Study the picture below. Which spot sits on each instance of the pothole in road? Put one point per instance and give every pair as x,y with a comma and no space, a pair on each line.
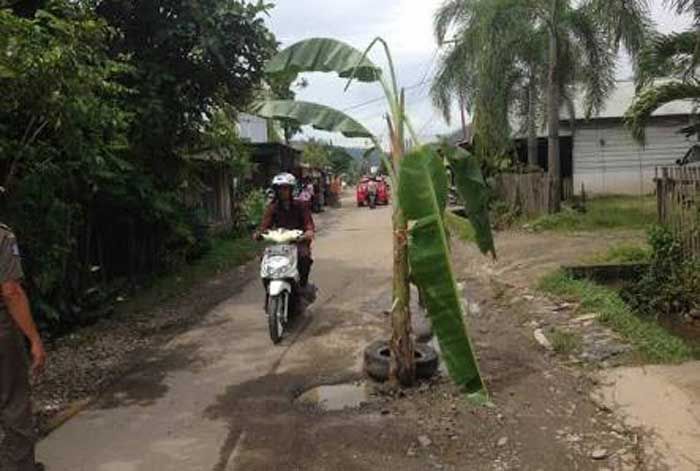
336,397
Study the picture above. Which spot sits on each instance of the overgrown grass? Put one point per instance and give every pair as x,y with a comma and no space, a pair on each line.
226,252
654,343
623,253
609,212
565,342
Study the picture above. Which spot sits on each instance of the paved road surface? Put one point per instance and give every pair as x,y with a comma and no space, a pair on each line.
184,409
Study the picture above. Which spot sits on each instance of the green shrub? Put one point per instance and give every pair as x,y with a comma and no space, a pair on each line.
671,286
253,208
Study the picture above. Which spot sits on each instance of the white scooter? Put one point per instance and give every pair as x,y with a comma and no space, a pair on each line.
280,275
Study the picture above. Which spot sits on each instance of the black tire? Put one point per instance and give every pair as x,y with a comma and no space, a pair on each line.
274,307
377,358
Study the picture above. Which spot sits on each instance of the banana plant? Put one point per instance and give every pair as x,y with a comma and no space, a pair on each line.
421,251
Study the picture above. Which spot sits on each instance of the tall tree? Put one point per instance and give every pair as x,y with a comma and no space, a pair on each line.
593,31
188,56
481,67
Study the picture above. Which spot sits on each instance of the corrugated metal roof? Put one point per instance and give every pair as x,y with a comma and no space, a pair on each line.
615,108
620,100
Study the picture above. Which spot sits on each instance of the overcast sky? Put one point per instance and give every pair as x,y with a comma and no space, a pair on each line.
407,27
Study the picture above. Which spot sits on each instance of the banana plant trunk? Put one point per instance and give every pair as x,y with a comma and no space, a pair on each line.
554,106
402,370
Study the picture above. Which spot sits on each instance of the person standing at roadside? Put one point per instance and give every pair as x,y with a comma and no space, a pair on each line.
16,323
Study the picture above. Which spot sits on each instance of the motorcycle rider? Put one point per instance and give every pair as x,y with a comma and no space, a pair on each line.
286,213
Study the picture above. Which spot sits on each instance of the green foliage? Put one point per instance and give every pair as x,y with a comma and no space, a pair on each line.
281,88
253,207
671,286
220,137
319,116
673,56
324,55
651,340
610,212
423,198
92,129
188,56
652,98
340,161
474,194
316,154
459,227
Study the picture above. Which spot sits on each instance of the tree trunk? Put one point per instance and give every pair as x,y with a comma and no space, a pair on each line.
402,370
532,144
553,111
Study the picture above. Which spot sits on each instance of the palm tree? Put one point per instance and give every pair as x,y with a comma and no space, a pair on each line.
488,67
588,35
673,57
578,43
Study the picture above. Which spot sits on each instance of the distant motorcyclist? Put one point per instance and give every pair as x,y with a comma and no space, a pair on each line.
286,213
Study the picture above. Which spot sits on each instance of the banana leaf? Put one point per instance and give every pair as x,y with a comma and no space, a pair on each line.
319,116
422,195
324,55
459,227
473,192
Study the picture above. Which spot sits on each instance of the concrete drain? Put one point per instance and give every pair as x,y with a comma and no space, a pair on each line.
336,397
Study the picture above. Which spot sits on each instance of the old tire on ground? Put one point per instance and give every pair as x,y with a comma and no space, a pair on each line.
377,358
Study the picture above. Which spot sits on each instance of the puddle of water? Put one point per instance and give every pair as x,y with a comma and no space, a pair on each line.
336,397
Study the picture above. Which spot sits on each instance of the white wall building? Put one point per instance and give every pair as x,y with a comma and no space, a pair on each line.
606,159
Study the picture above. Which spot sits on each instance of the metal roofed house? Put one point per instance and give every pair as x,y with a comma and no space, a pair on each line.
602,155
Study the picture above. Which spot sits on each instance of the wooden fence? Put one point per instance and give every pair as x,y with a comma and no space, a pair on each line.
678,204
530,192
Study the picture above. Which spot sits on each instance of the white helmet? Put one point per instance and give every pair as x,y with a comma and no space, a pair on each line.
284,179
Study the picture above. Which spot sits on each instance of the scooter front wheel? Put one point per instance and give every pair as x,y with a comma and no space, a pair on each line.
275,316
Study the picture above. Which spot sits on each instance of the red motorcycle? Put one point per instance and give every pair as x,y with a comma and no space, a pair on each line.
372,192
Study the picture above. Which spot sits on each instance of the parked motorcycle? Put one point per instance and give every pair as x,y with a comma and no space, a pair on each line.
280,275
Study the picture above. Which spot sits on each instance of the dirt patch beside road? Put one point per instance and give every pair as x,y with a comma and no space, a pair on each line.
524,257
